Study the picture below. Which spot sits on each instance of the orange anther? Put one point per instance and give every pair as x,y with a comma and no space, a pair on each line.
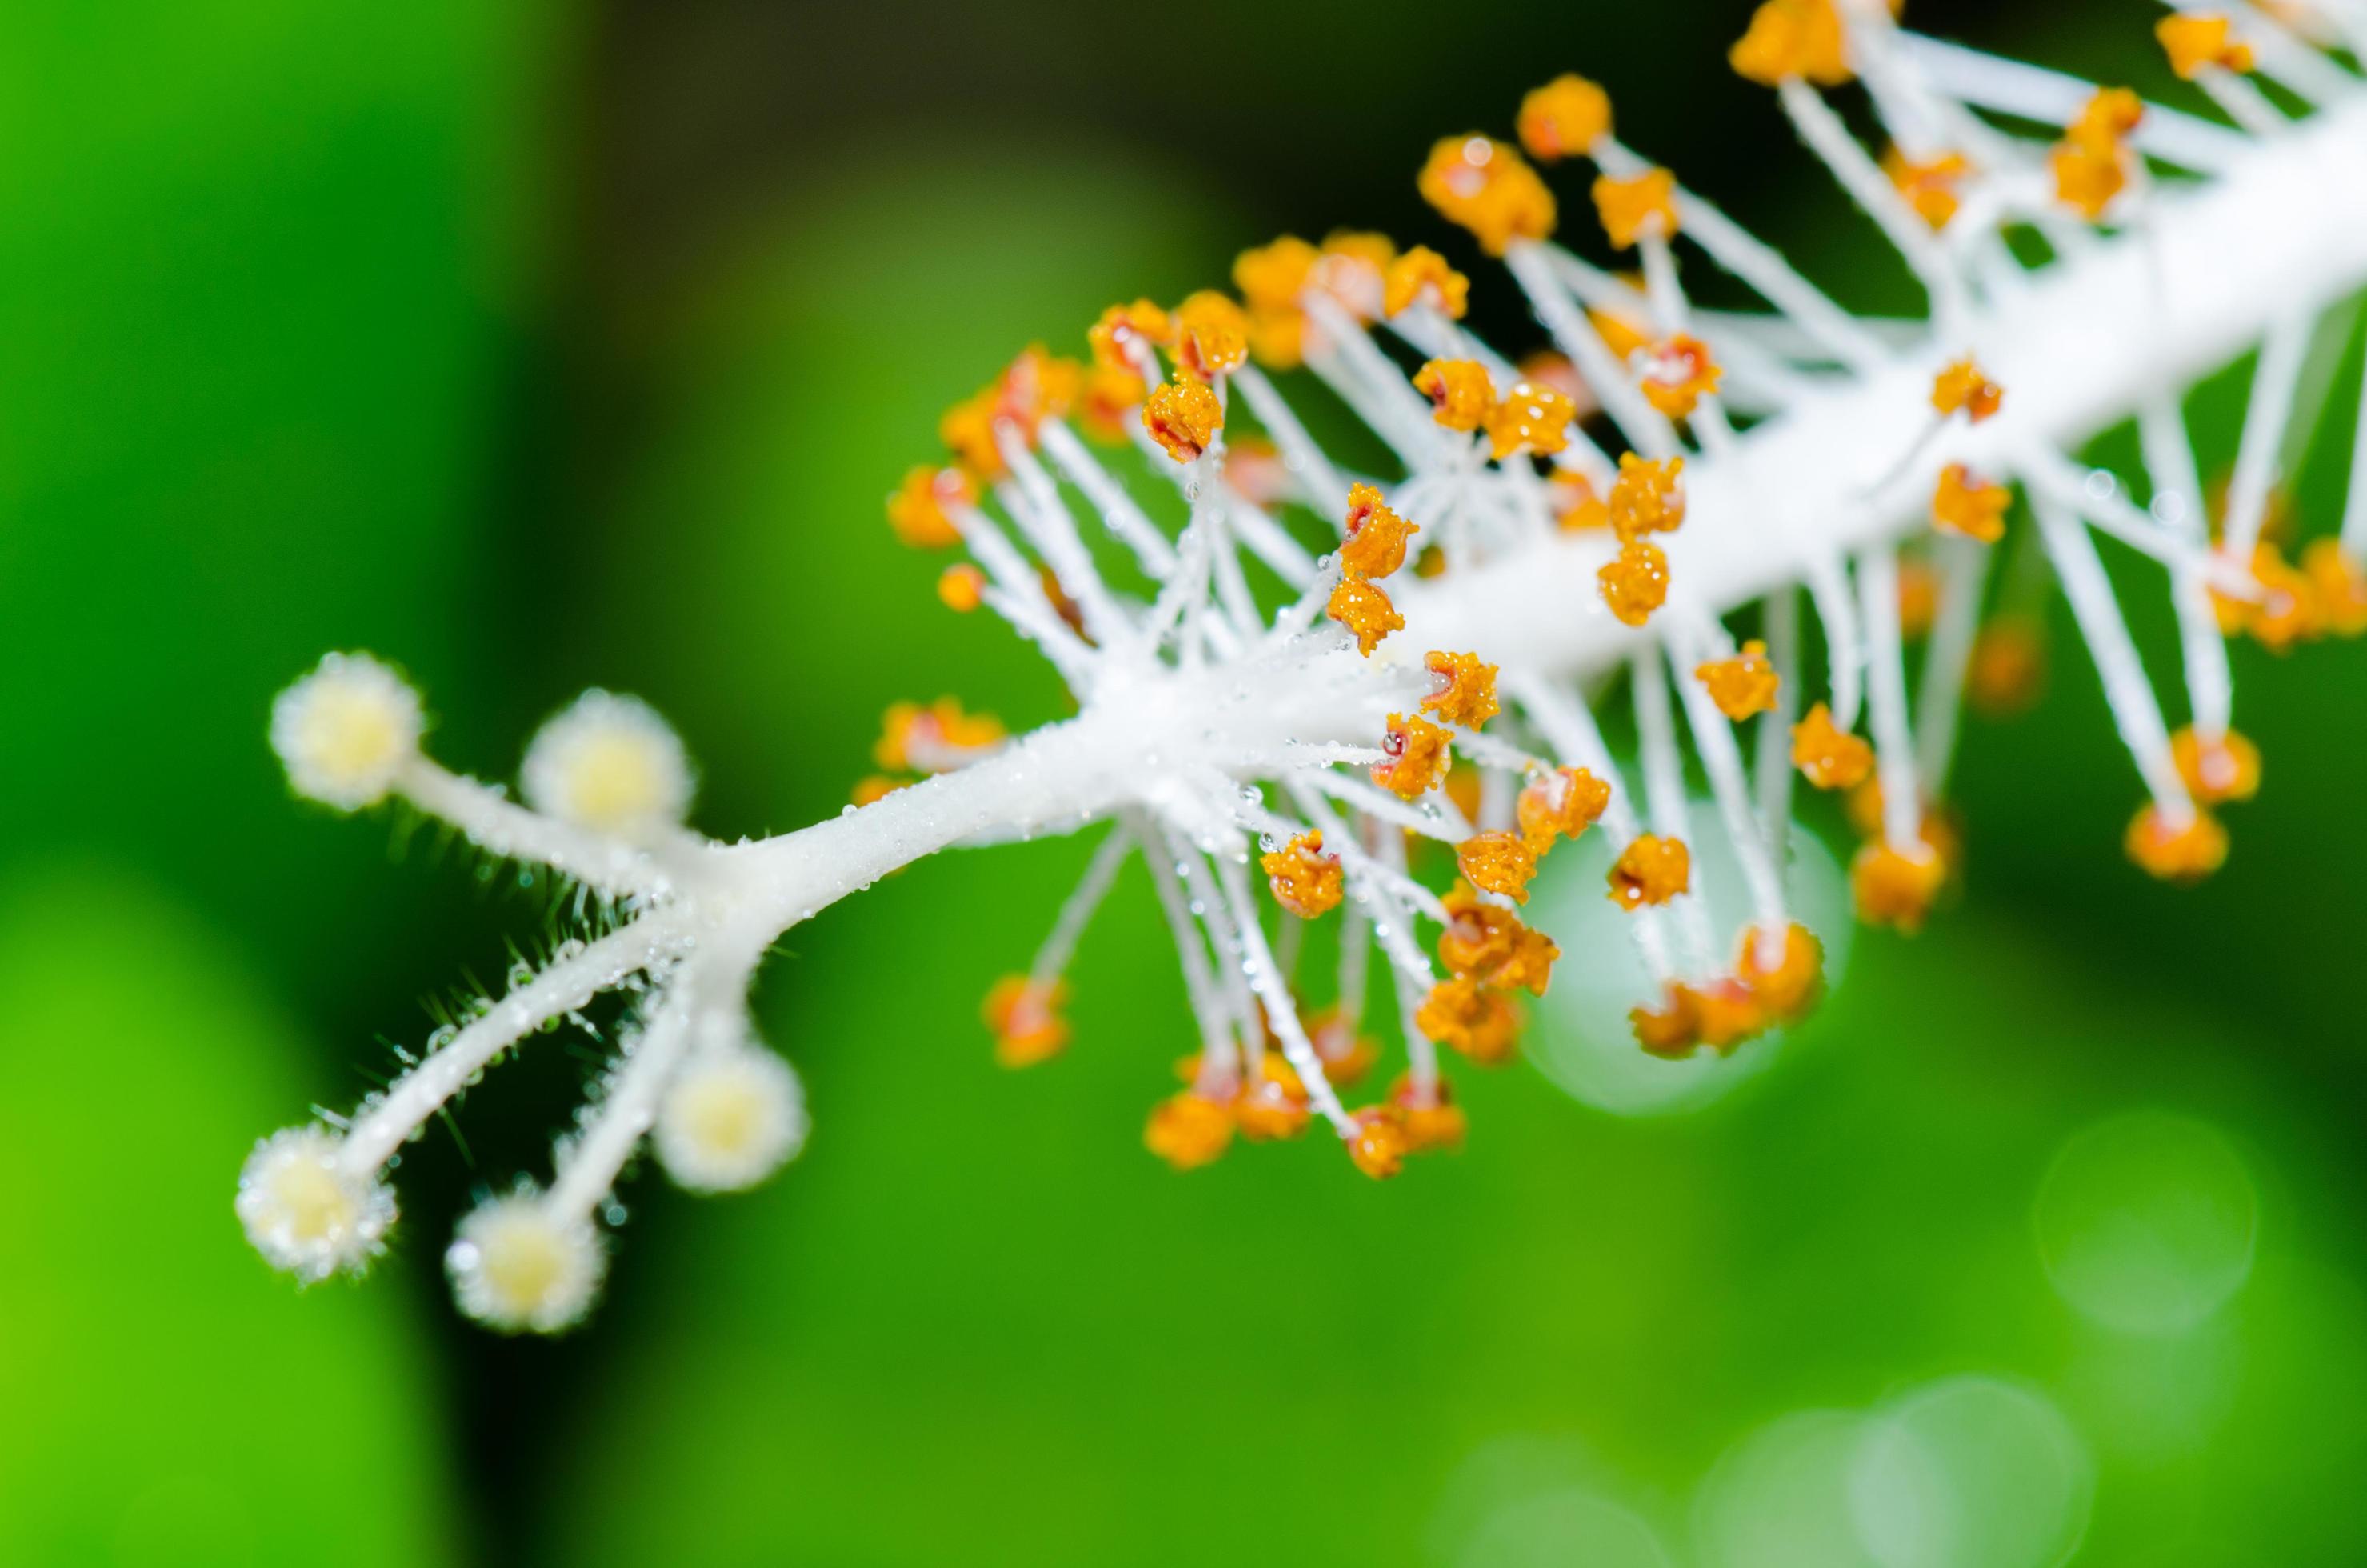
1346,1055
1124,328
1487,188
1635,582
1379,1144
1743,684
1429,1120
1366,609
1793,40
1464,689
1827,755
1579,507
1108,398
1931,187
1672,1029
1648,497
1564,119
1488,943
1466,1017
1273,278
1026,1020
1373,537
917,510
2197,41
1651,869
1304,880
1418,757
1560,804
1183,417
935,738
2285,610
1498,863
2093,163
1678,373
2177,851
1967,504
1188,1129
1212,336
1962,389
1273,1105
1459,390
2216,770
1530,417
1918,597
2008,667
1636,209
2339,584
1729,1013
1421,276
1895,887
875,787
961,588
1789,982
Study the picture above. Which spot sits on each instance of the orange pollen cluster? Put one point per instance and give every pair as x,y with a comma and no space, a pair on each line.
2177,851
1564,119
2093,163
1931,187
2327,595
1379,1145
1828,756
1025,1017
1577,507
1486,186
961,588
1428,1122
1648,497
932,739
1743,684
1418,755
1488,943
1962,389
1183,417
1499,863
1965,502
2340,586
1364,608
2008,667
1634,582
1304,880
1641,208
1895,887
1651,869
1459,390
1212,336
917,510
1678,374
2216,770
1464,692
1793,40
1560,804
2201,42
1466,1016
1737,1007
1919,599
1421,276
1122,329
1189,1130
1373,545
1037,386
1530,417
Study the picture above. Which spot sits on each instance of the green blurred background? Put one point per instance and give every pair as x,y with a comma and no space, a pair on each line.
538,346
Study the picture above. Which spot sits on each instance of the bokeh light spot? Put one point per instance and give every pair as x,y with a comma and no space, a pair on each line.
2145,1222
1779,1497
1971,1473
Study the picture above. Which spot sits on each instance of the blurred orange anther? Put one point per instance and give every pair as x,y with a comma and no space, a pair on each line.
1463,690
1743,684
1429,1119
1212,336
2198,41
1678,373
875,787
1564,119
1560,804
1418,757
1672,1029
1109,396
1459,390
1918,597
2340,585
933,739
1642,208
1364,608
2093,163
961,588
1827,755
1188,1129
1962,389
1304,880
1379,1144
1026,1020
1346,1055
1787,982
1468,1017
1489,188
1122,329
1421,276
2218,770
2008,667
1274,277
2177,851
1967,504
1488,943
1651,869
1895,886
1930,187
1273,1105
1727,1013
1793,40
2285,609
1373,539
917,510
1578,505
